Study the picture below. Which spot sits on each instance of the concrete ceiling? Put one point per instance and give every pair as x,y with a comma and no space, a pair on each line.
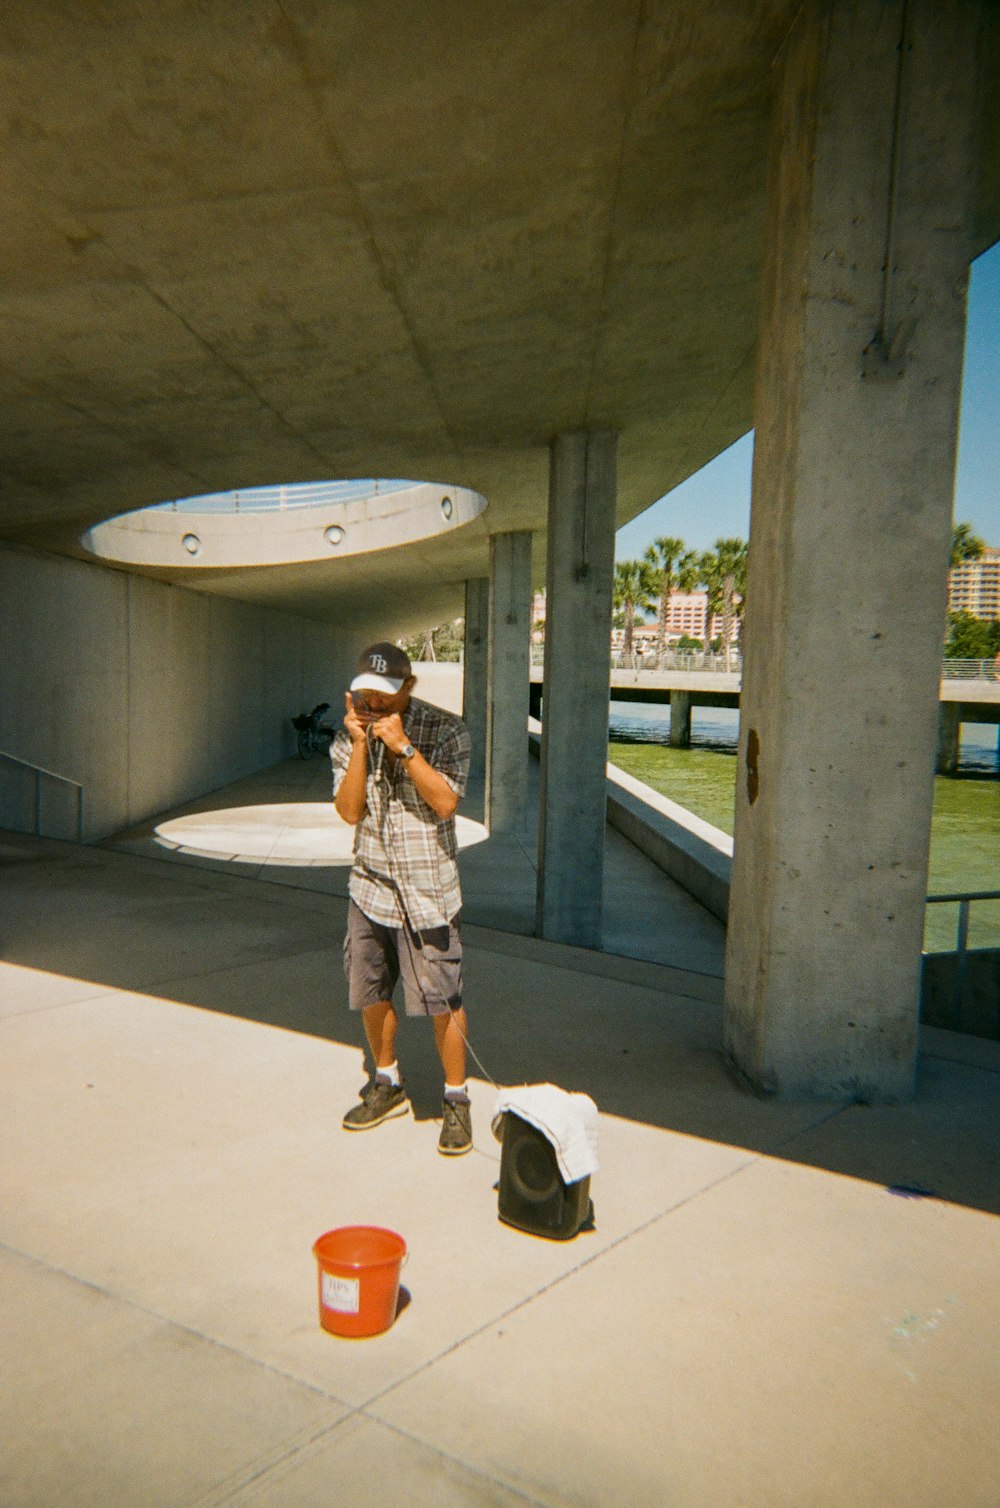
249,242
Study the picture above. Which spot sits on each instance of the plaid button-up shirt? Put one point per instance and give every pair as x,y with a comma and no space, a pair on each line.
406,856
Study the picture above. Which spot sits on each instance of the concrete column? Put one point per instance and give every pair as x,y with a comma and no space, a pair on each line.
573,790
867,245
949,738
475,669
508,679
680,719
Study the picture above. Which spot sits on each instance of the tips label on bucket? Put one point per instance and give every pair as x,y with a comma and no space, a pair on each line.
341,1294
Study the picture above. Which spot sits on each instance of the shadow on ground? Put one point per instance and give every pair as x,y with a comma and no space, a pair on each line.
272,954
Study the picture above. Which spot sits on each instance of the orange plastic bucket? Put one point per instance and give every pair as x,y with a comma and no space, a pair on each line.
359,1267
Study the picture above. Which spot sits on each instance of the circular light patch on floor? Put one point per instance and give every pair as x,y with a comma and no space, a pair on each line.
288,525
292,834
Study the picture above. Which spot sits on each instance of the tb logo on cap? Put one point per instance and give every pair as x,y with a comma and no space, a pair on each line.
379,663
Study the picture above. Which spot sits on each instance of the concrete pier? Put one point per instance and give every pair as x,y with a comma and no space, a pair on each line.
509,669
581,535
475,670
949,738
680,719
857,392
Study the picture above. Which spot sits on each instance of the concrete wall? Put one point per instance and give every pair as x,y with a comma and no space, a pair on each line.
698,856
146,694
440,682
977,1012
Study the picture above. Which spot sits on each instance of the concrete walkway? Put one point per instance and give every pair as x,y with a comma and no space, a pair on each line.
767,1312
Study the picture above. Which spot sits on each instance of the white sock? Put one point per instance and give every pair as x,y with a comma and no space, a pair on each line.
391,1073
456,1091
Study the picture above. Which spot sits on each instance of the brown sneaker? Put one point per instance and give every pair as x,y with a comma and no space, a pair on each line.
456,1128
380,1101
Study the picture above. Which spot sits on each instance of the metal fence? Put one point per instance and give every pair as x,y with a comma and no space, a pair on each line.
681,659
960,987
280,499
696,661
672,660
965,900
970,670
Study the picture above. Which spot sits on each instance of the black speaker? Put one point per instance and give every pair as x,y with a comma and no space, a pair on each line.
533,1196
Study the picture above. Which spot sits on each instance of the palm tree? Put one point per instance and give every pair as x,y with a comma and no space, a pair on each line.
964,545
689,572
634,591
724,572
662,557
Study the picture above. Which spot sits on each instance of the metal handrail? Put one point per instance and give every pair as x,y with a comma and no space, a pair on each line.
286,496
705,660
39,771
964,899
969,670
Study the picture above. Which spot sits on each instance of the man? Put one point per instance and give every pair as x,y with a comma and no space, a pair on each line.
399,769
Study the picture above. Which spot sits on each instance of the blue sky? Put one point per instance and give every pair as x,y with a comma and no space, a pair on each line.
715,502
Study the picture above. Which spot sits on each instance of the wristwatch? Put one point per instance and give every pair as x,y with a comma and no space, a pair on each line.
407,751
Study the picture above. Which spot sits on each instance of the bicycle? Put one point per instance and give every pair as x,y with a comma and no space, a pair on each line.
313,736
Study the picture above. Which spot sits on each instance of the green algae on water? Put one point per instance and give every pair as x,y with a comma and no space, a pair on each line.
965,828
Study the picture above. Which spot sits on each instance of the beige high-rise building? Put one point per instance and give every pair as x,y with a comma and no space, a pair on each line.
687,614
974,586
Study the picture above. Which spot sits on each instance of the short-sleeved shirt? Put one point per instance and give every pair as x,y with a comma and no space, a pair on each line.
406,856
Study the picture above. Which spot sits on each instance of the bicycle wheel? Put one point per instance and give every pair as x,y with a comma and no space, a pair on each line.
305,743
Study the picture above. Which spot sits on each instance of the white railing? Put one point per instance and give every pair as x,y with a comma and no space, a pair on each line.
680,659
39,773
280,499
970,670
685,660
671,660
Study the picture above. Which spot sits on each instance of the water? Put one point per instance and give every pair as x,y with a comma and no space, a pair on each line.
649,722
965,829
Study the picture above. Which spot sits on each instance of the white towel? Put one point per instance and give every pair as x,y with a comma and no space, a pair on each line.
569,1121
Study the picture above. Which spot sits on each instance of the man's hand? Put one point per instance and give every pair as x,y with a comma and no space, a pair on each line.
353,721
389,731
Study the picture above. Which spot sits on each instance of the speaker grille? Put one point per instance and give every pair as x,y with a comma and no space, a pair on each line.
533,1196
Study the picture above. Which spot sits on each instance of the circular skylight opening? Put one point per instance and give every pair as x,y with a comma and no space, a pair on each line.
287,525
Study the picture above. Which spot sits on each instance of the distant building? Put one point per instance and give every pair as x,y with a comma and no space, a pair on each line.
643,639
687,614
974,586
686,619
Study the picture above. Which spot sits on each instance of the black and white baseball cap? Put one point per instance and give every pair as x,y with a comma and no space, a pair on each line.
382,667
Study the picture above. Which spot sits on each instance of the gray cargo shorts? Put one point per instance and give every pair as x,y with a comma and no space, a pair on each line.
429,963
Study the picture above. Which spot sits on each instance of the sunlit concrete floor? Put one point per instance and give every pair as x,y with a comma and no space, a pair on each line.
780,1304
